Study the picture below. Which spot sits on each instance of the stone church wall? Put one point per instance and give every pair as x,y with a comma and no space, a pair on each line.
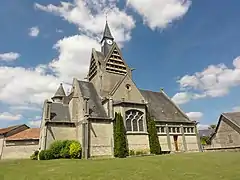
101,139
226,136
138,142
60,133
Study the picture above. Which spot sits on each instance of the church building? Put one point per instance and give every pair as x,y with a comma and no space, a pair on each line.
87,113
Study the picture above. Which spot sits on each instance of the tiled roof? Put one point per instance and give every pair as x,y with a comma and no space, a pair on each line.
205,132
31,133
8,129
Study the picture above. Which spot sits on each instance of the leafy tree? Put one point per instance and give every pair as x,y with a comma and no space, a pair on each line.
212,126
120,139
155,147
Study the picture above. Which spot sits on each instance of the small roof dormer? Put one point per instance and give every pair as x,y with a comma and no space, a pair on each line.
59,95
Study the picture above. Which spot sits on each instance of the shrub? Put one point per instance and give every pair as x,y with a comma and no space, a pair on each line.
42,155
34,156
56,147
139,152
49,154
75,150
131,152
120,140
153,137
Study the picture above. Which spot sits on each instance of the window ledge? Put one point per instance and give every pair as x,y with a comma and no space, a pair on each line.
136,133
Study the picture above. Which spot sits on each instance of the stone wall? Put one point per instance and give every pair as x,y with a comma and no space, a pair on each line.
138,141
60,133
19,149
227,135
101,138
191,141
1,146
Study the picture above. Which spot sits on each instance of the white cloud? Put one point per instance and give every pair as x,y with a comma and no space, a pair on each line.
21,87
236,109
11,56
6,116
25,107
160,13
35,123
90,15
34,31
195,116
202,126
214,81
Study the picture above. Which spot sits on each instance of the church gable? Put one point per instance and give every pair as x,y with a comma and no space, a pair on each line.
114,61
162,108
126,89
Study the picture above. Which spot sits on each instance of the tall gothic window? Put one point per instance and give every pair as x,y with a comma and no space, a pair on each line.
134,120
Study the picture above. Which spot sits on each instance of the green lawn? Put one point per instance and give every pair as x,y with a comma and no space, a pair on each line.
190,166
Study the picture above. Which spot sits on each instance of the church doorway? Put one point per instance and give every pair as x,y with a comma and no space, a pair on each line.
175,138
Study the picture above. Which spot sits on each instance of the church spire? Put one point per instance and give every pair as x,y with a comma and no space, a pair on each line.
107,40
59,95
107,33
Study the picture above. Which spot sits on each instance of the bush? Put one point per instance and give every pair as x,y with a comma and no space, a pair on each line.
153,137
131,152
56,147
34,156
120,140
75,150
42,155
49,154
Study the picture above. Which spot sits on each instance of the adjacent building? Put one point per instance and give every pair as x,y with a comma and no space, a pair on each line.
18,141
227,132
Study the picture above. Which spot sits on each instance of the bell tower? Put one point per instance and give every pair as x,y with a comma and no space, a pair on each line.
107,40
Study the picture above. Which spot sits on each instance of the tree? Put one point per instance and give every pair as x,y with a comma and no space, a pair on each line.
154,144
212,126
120,139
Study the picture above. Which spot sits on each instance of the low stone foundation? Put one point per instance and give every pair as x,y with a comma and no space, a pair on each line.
222,149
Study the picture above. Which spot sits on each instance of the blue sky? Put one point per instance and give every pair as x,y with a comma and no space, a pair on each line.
167,42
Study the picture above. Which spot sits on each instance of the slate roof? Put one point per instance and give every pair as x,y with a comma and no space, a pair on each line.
60,92
60,112
95,104
31,133
233,116
162,108
205,132
107,33
10,128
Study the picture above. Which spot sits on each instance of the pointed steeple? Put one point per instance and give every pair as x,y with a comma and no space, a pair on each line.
107,40
59,95
107,33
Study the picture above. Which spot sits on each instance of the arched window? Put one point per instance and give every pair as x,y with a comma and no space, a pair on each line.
134,120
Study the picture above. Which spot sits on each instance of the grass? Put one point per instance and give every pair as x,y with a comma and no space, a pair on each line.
197,166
